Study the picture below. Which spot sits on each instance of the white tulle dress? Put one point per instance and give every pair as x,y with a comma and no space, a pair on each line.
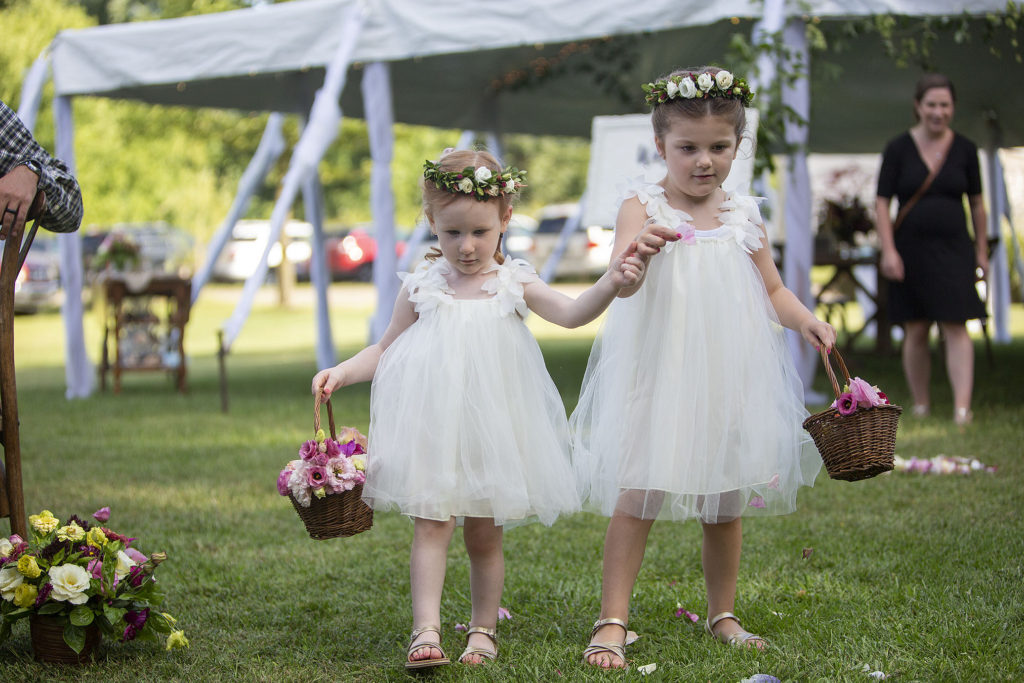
464,419
691,405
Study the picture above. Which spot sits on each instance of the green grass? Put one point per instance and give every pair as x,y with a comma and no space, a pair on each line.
917,576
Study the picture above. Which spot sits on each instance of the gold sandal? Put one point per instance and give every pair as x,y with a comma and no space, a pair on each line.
425,663
479,651
741,638
617,649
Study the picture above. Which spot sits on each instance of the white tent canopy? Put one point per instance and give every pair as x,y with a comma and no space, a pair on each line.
502,68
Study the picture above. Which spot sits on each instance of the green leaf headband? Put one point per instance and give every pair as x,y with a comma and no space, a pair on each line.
481,183
692,86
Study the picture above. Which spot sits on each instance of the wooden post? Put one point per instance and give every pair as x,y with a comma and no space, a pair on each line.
12,502
223,371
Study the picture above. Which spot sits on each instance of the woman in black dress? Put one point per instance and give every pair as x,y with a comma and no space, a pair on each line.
930,257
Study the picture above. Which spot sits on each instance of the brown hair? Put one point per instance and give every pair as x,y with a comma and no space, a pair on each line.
456,160
664,113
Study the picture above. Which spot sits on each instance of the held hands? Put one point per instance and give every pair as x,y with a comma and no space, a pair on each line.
328,380
17,192
818,333
627,268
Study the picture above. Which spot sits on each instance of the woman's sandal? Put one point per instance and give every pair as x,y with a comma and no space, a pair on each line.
479,651
617,649
414,646
741,638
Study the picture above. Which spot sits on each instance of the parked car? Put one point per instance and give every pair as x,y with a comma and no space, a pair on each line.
350,254
587,253
244,249
38,282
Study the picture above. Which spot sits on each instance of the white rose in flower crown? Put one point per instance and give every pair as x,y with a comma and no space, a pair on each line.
483,174
671,89
510,186
69,583
466,185
723,79
5,547
687,88
10,579
705,81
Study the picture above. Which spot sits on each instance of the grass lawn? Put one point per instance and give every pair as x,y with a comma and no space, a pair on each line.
917,576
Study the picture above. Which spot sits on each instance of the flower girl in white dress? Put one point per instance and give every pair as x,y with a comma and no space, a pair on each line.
691,406
465,422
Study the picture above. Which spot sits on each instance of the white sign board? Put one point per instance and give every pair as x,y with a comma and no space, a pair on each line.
622,147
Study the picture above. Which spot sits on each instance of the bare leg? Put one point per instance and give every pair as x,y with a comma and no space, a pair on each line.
486,578
720,554
624,546
917,360
959,365
427,564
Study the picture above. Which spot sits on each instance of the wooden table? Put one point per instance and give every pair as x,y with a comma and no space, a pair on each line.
844,264
145,322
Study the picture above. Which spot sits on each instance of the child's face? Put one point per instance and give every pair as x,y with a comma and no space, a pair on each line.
468,231
699,153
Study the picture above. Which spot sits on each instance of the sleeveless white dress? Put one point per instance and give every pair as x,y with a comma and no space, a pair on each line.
464,419
691,405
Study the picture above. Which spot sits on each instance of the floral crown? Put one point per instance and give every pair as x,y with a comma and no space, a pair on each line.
481,183
693,86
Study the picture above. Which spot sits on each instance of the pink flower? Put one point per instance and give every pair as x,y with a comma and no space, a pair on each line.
102,515
351,448
308,449
316,476
140,558
333,448
846,404
756,502
682,612
282,482
15,539
360,478
461,628
687,232
864,394
503,614
773,483
319,460
95,568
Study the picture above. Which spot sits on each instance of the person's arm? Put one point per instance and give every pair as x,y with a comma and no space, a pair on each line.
890,262
980,221
633,226
791,311
362,366
626,269
25,169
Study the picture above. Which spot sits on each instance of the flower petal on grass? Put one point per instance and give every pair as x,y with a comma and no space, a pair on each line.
647,668
503,614
807,552
683,612
462,628
761,678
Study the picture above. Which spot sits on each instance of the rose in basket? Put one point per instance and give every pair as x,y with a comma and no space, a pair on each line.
858,394
325,466
83,575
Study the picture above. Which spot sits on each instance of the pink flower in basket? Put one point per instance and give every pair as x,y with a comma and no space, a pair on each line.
846,404
326,467
308,450
866,395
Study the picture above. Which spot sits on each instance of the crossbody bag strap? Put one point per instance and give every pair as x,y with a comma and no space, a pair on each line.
905,209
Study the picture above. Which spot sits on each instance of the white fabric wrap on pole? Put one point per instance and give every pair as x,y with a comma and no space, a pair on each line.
999,274
32,90
376,88
798,255
78,370
324,119
271,147
313,196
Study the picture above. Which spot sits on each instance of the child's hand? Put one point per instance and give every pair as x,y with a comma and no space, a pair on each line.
328,380
627,268
653,237
818,333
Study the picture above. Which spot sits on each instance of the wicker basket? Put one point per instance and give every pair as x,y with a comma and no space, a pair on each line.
337,514
47,633
856,446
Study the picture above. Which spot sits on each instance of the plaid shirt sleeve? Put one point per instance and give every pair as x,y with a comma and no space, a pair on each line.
63,212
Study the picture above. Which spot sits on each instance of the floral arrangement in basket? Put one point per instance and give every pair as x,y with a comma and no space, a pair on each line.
857,393
325,483
85,575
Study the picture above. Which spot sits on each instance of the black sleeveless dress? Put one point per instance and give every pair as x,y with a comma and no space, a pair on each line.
937,251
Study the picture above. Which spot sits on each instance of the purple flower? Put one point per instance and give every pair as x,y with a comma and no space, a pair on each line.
139,557
683,612
95,567
333,448
503,614
351,448
136,575
282,482
81,522
15,539
102,515
846,404
44,593
308,449
319,460
316,476
137,619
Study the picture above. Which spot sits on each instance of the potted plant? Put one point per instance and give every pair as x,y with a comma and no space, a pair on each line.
75,580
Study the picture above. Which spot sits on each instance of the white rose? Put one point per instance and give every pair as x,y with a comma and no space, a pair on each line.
466,185
724,79
483,174
704,81
10,578
5,547
671,89
686,88
124,564
510,186
69,583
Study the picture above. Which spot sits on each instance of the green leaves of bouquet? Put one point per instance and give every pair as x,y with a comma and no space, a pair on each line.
84,574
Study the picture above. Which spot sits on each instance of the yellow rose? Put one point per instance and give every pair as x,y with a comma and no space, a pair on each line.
71,532
176,639
25,595
44,522
96,537
28,567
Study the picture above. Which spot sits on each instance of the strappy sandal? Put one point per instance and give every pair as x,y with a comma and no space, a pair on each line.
479,651
741,638
414,646
617,649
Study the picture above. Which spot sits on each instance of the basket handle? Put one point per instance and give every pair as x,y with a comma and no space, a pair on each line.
828,368
330,414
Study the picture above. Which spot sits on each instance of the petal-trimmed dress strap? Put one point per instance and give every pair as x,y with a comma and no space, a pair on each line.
507,285
740,213
427,286
652,197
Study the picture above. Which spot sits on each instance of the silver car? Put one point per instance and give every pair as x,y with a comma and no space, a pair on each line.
38,283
